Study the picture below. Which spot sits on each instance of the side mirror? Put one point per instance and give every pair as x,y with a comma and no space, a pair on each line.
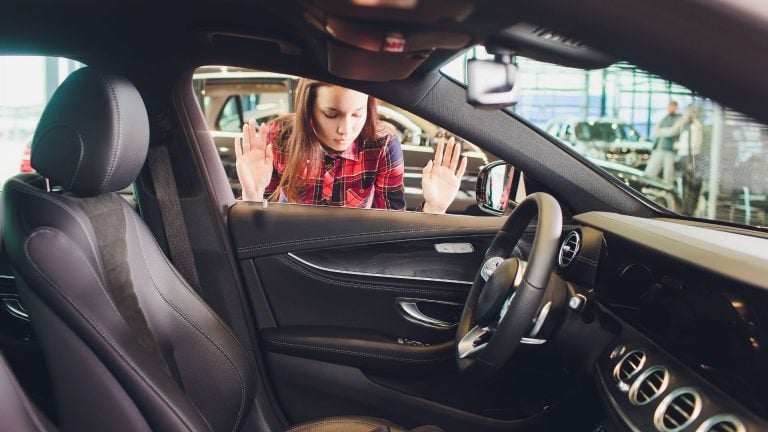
494,185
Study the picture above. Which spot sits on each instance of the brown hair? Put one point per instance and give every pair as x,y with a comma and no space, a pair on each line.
304,151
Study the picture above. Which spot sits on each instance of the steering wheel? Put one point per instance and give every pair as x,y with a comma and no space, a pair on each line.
507,292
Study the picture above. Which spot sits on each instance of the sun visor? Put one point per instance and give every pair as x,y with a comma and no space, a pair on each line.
403,11
361,49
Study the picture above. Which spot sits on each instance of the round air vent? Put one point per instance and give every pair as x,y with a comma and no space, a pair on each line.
628,367
722,423
569,249
678,410
649,385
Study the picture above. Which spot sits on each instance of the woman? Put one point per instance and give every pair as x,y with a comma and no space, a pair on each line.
333,151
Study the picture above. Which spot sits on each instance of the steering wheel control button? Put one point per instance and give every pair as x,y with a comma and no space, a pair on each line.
490,266
496,291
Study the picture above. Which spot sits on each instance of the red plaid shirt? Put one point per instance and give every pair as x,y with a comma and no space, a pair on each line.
367,174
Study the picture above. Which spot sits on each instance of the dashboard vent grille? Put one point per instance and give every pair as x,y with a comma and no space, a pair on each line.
629,366
649,385
722,423
678,410
569,249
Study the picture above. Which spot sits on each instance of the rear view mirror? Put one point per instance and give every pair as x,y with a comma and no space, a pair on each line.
494,184
491,83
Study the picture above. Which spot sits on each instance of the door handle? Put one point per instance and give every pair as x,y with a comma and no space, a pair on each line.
409,308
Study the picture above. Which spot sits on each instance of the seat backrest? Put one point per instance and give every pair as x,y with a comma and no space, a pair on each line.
129,344
17,411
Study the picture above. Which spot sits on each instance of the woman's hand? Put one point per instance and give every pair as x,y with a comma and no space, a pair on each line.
254,162
441,180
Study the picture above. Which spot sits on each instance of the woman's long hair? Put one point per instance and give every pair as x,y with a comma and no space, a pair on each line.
303,148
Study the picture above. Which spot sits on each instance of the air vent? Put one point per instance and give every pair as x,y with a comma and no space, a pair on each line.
548,34
678,410
628,367
649,385
569,249
722,423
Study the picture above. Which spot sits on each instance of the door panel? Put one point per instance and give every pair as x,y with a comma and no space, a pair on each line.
340,291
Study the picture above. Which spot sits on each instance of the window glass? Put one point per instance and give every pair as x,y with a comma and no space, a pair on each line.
693,157
224,92
26,85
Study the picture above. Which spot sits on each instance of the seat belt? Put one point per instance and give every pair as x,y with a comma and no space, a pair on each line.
173,220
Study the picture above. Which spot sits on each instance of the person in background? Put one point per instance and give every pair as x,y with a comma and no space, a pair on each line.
666,133
691,163
334,152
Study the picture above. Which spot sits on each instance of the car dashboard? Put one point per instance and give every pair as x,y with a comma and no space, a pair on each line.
686,305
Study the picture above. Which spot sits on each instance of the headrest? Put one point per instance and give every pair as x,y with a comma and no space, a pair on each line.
93,135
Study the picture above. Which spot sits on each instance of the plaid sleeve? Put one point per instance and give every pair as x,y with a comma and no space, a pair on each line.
388,187
269,133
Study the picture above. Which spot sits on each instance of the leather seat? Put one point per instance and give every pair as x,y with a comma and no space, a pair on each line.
18,412
130,345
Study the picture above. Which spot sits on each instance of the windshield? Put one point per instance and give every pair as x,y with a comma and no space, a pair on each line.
679,148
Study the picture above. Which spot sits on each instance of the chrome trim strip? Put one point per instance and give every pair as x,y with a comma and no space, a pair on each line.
318,267
7,277
14,307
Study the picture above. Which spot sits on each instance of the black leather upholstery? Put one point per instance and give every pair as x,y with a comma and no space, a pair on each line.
93,136
130,346
16,410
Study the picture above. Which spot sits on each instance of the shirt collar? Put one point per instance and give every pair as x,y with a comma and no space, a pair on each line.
350,153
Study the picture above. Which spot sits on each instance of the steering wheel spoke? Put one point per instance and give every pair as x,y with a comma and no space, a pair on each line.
506,305
474,341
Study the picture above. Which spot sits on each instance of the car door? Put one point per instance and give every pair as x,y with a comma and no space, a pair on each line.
356,309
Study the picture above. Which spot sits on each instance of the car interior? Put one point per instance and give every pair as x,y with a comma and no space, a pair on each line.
139,293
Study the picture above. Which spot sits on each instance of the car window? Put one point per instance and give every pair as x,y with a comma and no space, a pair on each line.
229,96
677,147
26,85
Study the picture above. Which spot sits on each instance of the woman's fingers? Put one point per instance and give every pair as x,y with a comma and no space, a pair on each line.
246,142
462,168
238,146
439,151
455,157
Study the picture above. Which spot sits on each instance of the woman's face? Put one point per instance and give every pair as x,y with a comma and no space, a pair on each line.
339,115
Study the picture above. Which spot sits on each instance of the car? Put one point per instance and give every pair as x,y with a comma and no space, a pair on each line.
603,138
580,303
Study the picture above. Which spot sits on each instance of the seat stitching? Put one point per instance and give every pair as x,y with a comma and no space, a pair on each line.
345,236
93,325
357,353
116,143
25,188
189,289
82,147
191,324
302,427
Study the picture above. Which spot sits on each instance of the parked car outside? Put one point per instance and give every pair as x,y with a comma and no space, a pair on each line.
608,139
